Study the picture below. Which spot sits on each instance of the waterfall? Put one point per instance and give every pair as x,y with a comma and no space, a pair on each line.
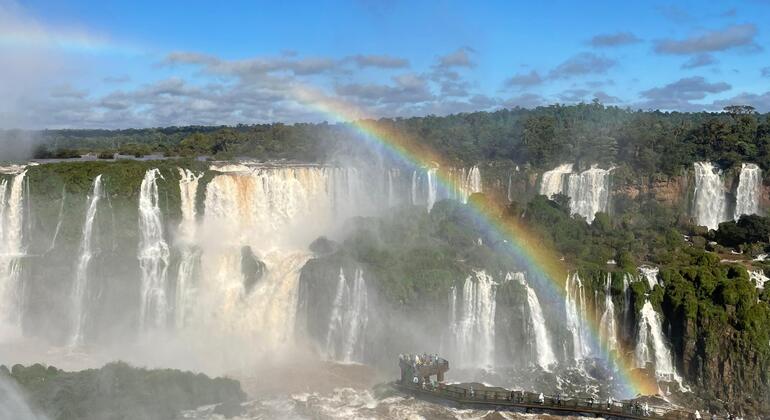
575,312
759,278
414,188
651,346
608,335
153,255
11,250
81,285
432,188
393,175
627,317
474,327
710,206
543,349
510,193
59,219
589,192
276,212
348,320
188,190
650,274
748,193
553,182
466,182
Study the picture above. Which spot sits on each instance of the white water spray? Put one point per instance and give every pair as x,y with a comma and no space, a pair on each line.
81,284
576,311
11,251
589,192
153,255
749,190
651,346
710,206
608,335
348,320
554,181
543,349
474,326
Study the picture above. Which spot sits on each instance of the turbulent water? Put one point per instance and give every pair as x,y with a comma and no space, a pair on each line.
554,181
608,335
588,191
651,345
348,320
710,207
575,315
748,192
12,250
473,321
543,348
153,255
185,287
649,274
80,285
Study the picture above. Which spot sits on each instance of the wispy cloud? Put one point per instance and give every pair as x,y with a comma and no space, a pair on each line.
614,40
711,41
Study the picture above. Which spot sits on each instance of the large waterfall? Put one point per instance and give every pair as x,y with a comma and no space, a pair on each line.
554,181
185,288
575,315
608,335
473,321
589,192
710,206
651,346
348,320
80,285
543,349
153,255
11,251
748,192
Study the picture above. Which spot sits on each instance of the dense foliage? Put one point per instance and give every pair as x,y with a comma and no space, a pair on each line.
648,141
119,391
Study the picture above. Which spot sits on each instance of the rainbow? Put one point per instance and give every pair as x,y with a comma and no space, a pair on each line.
538,258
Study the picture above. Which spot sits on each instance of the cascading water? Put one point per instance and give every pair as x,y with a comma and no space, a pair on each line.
81,284
348,320
275,212
651,346
185,290
650,274
748,192
466,182
473,329
575,312
11,251
589,192
153,255
608,335
543,349
759,278
710,206
432,187
554,181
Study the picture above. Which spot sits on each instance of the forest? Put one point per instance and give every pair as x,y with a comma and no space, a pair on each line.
649,142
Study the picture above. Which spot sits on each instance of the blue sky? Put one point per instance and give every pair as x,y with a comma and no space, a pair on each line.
138,64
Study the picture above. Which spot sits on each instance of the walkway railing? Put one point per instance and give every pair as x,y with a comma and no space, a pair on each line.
529,400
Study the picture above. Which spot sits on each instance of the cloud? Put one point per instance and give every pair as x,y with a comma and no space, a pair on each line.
678,95
525,100
252,66
759,101
614,40
582,64
406,88
524,80
380,61
699,60
711,41
458,58
765,71
68,91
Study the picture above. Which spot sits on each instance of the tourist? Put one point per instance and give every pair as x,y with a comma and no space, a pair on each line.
609,402
697,415
541,398
558,398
